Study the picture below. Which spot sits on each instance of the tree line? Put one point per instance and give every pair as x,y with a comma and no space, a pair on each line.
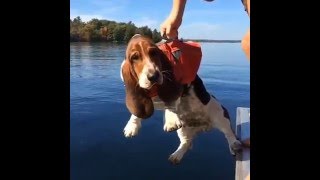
97,30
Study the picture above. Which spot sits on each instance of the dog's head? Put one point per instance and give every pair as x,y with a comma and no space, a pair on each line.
145,60
145,68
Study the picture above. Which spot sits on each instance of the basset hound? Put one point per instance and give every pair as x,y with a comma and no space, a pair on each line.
150,84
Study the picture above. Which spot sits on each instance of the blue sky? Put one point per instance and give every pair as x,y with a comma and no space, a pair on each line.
220,19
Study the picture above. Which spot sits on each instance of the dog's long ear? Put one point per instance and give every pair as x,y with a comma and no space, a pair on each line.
170,90
137,101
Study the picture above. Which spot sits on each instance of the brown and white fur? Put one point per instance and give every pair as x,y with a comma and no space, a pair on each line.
188,109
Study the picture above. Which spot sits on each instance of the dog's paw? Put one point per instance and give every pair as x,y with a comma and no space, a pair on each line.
178,124
131,129
171,121
235,147
175,158
172,126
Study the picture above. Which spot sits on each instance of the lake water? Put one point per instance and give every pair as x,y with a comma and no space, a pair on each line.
98,148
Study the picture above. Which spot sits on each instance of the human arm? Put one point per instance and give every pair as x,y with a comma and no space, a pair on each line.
171,25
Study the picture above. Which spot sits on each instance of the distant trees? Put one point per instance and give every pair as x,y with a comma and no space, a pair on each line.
107,31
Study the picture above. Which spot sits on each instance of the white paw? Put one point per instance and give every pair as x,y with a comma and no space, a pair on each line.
176,157
235,147
178,124
131,129
170,126
171,121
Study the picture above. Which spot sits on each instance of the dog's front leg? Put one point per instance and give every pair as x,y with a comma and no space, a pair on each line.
186,135
132,127
171,120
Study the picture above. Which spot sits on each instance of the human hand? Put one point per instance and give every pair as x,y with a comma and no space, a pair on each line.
170,27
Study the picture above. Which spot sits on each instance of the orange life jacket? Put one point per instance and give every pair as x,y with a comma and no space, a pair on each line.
185,58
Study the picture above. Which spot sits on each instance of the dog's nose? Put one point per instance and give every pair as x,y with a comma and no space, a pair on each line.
153,77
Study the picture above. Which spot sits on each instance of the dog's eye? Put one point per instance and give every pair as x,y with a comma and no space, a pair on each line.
135,56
